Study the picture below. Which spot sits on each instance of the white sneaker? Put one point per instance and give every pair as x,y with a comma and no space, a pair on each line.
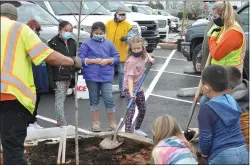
35,125
139,132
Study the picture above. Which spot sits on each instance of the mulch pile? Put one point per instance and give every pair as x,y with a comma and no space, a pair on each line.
89,153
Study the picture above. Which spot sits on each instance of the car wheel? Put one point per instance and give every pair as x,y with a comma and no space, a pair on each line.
150,51
197,52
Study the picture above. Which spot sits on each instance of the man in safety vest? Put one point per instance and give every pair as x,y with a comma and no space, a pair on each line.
20,46
119,31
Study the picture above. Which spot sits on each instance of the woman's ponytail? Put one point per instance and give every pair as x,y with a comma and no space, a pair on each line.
228,15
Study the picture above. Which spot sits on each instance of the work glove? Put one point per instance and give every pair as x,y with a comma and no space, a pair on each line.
214,31
77,62
123,38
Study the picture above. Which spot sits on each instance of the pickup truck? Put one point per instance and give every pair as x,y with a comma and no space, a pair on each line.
192,46
149,25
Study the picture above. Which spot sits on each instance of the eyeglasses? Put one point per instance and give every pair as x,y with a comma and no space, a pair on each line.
122,14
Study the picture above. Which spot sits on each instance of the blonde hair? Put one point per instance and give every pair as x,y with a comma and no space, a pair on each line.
225,10
134,40
165,127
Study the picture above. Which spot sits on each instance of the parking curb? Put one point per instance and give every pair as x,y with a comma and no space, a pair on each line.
168,45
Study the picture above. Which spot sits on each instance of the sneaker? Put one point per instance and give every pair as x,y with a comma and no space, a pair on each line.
122,95
113,126
96,127
139,132
35,125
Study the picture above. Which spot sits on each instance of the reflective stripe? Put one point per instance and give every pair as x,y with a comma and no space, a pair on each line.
3,86
37,49
19,85
10,48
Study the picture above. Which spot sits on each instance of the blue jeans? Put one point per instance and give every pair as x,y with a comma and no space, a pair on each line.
235,156
203,100
120,69
94,95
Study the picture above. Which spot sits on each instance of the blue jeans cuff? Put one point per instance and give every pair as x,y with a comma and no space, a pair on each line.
94,108
110,110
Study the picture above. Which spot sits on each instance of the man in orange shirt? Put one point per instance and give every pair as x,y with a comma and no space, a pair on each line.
19,46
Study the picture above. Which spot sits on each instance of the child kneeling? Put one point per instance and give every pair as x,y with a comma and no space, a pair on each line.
220,136
171,147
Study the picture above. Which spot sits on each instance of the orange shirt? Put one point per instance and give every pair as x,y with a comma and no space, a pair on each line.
232,40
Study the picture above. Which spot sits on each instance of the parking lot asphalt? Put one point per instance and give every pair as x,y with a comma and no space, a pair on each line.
165,78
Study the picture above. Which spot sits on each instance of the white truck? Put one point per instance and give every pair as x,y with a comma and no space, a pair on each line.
149,25
163,20
92,12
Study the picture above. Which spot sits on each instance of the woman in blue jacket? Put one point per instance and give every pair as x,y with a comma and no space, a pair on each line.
99,57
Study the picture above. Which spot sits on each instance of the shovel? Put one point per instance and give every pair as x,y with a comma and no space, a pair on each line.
190,134
108,142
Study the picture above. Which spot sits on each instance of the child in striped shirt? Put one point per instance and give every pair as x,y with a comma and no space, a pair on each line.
171,147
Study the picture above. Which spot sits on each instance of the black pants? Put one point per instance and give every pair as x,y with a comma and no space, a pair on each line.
13,128
33,118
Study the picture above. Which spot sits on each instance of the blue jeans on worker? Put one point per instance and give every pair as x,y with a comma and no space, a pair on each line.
232,156
120,69
94,95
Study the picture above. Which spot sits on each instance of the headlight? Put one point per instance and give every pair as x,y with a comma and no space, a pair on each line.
162,23
157,24
84,28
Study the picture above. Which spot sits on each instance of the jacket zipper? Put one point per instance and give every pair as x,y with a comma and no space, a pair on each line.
115,33
68,52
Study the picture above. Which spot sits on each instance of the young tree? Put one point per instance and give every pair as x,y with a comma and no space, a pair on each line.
195,7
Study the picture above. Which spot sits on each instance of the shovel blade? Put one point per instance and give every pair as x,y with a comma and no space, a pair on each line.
108,143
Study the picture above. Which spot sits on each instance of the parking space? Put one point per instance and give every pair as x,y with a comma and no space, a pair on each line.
161,85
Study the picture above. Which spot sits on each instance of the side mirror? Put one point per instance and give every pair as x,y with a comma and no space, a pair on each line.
235,7
60,20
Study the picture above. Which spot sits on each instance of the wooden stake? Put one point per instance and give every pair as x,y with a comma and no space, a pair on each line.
76,77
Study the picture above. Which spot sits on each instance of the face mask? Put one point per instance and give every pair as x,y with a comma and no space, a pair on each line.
218,21
66,35
98,37
136,54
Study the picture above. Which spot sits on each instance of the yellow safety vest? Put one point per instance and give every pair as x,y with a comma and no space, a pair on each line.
235,57
114,33
20,45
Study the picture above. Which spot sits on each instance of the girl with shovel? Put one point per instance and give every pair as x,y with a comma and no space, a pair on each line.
133,71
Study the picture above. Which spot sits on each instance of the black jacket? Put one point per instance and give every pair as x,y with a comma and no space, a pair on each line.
61,73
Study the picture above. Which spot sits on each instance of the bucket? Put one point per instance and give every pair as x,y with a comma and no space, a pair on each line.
81,88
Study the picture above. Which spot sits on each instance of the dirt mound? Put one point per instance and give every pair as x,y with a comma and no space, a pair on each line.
89,153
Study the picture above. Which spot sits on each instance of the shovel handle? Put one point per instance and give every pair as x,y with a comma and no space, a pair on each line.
140,84
196,97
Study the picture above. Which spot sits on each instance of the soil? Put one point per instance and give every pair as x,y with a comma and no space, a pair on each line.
89,153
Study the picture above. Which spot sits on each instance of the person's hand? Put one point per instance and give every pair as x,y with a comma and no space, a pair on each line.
151,60
123,38
77,62
98,61
104,62
214,31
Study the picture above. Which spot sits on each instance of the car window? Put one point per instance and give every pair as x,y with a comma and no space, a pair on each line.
142,10
111,6
70,7
27,12
41,3
244,15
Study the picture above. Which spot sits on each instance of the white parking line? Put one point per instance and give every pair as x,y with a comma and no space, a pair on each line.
178,59
177,73
53,121
171,98
152,85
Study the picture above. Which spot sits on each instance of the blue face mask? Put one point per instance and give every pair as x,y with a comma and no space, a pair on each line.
66,35
137,54
98,38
